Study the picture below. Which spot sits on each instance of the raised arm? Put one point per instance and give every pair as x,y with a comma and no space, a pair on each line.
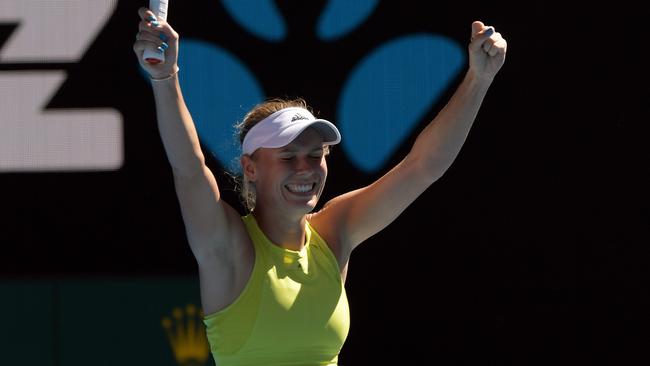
440,142
353,217
211,224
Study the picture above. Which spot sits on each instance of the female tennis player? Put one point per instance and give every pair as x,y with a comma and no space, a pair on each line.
272,281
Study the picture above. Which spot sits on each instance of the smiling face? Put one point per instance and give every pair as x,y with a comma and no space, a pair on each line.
289,178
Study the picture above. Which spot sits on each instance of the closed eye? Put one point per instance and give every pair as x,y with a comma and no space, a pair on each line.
317,154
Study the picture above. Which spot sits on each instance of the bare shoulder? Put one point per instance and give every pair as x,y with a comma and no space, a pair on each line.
329,228
353,217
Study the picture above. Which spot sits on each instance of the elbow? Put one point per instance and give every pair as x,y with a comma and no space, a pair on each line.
188,170
431,163
434,173
430,168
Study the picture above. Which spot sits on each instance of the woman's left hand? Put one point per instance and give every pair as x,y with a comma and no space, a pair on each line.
487,51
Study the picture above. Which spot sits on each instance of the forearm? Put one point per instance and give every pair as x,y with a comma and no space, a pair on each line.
177,129
440,142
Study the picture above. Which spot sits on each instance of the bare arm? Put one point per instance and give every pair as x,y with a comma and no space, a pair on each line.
439,143
359,214
209,221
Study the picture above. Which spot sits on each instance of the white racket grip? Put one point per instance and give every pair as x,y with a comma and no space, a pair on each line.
152,54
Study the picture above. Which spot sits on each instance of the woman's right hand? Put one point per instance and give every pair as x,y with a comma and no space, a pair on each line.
155,32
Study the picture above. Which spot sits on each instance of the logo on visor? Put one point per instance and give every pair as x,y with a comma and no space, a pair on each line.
297,117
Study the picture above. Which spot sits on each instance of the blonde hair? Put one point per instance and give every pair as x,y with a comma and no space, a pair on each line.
246,189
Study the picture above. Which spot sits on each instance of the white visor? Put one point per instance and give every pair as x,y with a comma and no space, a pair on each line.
283,126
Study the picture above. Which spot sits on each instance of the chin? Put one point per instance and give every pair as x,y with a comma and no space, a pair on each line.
310,205
304,207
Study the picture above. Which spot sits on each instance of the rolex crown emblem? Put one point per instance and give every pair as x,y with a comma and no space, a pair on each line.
186,335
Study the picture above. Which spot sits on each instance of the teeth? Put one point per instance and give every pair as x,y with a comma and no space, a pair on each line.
300,188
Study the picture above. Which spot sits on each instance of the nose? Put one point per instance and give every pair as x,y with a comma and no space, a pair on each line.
302,165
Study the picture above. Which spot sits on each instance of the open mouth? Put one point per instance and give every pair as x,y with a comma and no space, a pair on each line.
301,188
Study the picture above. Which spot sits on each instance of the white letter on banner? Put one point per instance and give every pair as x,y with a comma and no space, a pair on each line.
34,139
31,137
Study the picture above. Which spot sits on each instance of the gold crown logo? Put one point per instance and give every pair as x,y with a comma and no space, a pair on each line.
186,335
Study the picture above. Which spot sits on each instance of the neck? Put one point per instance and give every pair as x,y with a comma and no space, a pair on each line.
285,231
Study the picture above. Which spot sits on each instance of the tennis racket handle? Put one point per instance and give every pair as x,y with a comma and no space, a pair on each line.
152,54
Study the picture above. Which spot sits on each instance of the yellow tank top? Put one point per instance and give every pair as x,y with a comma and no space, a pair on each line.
293,310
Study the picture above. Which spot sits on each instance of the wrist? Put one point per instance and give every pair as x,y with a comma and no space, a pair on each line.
168,77
479,80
